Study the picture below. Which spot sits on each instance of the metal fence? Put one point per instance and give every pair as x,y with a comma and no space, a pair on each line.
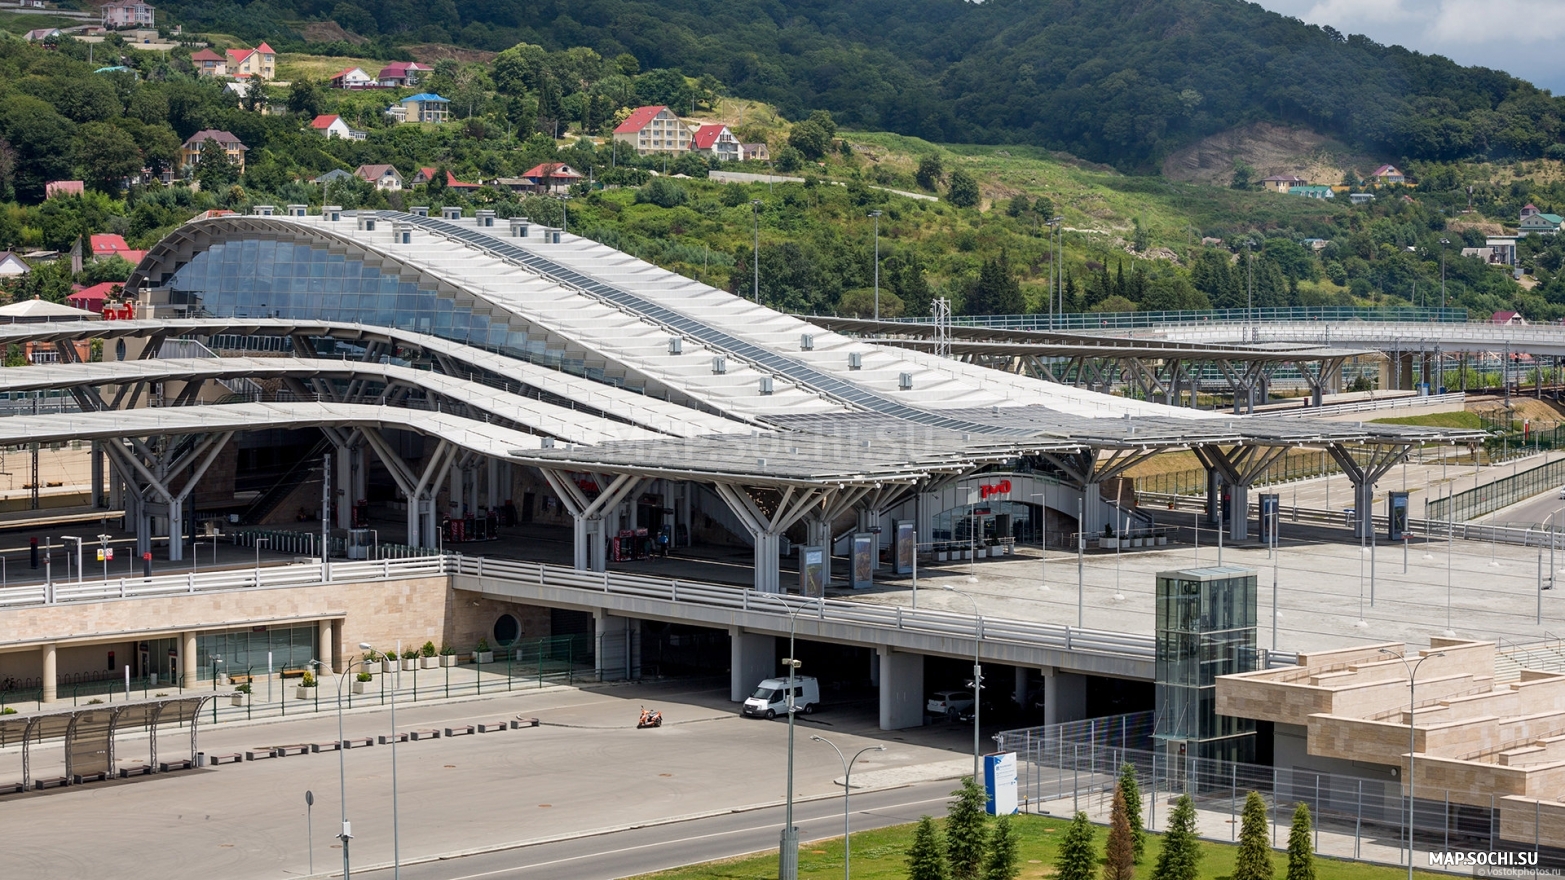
1138,320
1062,771
1504,492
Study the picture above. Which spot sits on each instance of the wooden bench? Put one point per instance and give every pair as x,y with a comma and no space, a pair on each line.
461,730
362,742
241,678
226,758
12,788
79,778
128,772
426,734
317,748
259,754
384,739
50,782
170,766
295,749
292,672
519,723
491,728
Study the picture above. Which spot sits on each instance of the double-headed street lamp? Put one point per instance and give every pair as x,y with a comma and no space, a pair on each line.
847,787
342,771
1412,709
788,845
876,216
396,844
978,678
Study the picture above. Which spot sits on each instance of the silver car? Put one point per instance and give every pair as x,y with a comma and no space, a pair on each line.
949,703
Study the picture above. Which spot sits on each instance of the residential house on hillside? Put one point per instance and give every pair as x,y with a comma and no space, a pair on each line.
550,178
107,244
716,140
127,14
1540,224
1498,250
1281,183
425,175
401,74
1508,319
1389,174
38,35
1312,192
352,78
1361,198
653,130
12,266
92,298
1529,209
383,176
332,175
190,151
209,63
260,62
56,188
331,126
423,107
754,153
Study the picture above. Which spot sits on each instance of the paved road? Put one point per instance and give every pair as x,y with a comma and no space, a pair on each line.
656,848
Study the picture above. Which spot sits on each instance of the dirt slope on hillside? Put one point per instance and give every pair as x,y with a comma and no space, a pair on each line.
1269,149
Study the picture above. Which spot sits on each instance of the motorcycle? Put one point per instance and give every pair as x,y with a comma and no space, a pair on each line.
650,718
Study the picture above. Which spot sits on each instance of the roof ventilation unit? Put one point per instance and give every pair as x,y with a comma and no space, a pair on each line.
420,210
806,342
760,462
676,345
485,218
401,233
367,222
855,360
451,212
519,227
766,386
905,381
262,210
332,212
719,365
298,210
551,236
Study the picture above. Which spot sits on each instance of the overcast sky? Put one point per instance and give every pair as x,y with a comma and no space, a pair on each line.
1517,36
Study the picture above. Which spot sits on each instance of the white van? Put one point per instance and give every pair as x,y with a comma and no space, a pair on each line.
771,697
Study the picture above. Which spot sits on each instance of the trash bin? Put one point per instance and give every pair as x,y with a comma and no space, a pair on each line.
200,759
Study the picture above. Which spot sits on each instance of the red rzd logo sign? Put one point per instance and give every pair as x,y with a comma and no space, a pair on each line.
1001,488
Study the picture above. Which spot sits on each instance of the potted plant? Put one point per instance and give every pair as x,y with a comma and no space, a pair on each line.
1109,542
361,682
941,553
427,658
482,654
447,655
388,662
306,688
370,663
241,695
409,659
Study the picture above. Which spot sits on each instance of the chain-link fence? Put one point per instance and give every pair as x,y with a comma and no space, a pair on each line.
1064,769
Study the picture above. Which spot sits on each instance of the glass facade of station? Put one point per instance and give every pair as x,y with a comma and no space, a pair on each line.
244,650
1206,627
263,278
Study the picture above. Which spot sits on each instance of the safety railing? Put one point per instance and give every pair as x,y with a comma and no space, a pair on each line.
1134,320
1403,401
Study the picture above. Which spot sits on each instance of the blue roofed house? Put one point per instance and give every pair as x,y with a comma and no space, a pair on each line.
1540,224
1312,192
423,107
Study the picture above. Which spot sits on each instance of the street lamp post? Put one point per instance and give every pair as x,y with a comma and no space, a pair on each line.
258,543
1412,709
103,556
755,260
978,677
342,772
1249,296
847,787
78,556
1443,243
876,216
396,843
1043,540
1057,274
788,845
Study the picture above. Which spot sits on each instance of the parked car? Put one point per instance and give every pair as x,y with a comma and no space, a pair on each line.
771,697
949,703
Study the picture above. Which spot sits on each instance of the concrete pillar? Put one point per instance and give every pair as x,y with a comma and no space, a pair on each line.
1092,497
187,659
1067,701
1364,509
454,488
1051,705
415,523
1238,514
176,530
97,473
360,475
492,498
753,659
901,689
49,675
324,650
597,545
1020,691
338,658
580,549
618,654
768,578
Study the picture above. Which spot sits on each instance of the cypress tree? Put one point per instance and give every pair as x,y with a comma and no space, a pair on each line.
1077,858
967,831
1132,789
1181,855
1119,861
1301,855
926,858
1255,853
1002,861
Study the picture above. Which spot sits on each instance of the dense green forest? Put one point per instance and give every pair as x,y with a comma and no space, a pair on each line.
1117,81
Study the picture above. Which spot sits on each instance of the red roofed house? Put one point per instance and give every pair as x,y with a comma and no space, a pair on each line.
62,188
1389,174
190,152
402,73
654,130
209,63
92,298
453,183
383,176
716,140
426,174
1530,210
1507,318
260,62
352,78
331,126
107,244
550,178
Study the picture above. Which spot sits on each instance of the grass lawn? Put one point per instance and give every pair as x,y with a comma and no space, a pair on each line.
1438,420
881,855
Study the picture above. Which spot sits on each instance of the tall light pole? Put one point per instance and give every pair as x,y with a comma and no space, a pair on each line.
876,216
978,678
788,845
847,787
565,217
396,843
1443,243
78,556
1057,274
755,261
1043,540
342,770
1412,709
1249,296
